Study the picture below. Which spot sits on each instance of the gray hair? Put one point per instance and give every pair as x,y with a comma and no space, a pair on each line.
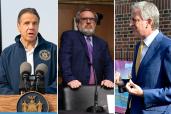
148,11
77,16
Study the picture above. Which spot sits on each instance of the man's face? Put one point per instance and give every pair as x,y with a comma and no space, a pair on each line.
28,27
87,23
139,26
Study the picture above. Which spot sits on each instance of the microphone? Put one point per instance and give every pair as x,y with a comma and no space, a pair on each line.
40,71
95,108
25,71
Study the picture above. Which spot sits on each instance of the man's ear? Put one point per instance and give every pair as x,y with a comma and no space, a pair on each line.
150,21
18,27
75,24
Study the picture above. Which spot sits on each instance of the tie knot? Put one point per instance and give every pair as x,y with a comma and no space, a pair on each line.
88,39
142,43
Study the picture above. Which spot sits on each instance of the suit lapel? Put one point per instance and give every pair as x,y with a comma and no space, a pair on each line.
95,48
134,76
84,44
151,51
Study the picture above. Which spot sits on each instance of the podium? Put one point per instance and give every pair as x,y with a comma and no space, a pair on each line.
8,103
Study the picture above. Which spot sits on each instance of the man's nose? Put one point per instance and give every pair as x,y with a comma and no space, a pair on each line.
88,21
131,24
31,26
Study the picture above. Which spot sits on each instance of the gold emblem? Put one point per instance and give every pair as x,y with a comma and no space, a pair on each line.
32,106
32,102
44,55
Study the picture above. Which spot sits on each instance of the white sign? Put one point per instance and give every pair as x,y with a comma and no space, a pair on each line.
110,103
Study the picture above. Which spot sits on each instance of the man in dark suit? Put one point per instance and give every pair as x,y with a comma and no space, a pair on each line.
83,56
150,86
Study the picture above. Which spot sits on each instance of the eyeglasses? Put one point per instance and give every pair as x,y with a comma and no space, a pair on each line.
88,19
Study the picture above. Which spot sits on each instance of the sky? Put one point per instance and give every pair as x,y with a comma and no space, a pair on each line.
48,12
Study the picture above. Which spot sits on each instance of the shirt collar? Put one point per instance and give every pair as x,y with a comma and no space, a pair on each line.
150,38
89,37
34,45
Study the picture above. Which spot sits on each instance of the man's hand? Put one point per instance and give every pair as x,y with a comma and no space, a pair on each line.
107,83
117,79
74,84
134,89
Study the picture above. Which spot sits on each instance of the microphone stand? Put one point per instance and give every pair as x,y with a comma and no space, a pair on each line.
95,108
37,81
39,76
25,82
23,87
32,78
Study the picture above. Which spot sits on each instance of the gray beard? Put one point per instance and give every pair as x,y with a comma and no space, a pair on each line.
87,32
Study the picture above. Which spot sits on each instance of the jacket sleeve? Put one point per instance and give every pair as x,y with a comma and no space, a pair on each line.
158,96
52,89
65,56
108,64
5,87
52,85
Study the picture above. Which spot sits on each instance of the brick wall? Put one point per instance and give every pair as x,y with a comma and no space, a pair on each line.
124,40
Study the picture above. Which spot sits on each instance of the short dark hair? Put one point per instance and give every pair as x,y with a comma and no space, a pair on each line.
28,10
77,16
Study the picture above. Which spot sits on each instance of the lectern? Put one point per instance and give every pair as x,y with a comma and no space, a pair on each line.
8,103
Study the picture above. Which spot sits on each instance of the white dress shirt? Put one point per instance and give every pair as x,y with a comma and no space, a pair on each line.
148,41
29,55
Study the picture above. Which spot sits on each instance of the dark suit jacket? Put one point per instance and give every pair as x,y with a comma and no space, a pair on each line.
74,60
154,77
